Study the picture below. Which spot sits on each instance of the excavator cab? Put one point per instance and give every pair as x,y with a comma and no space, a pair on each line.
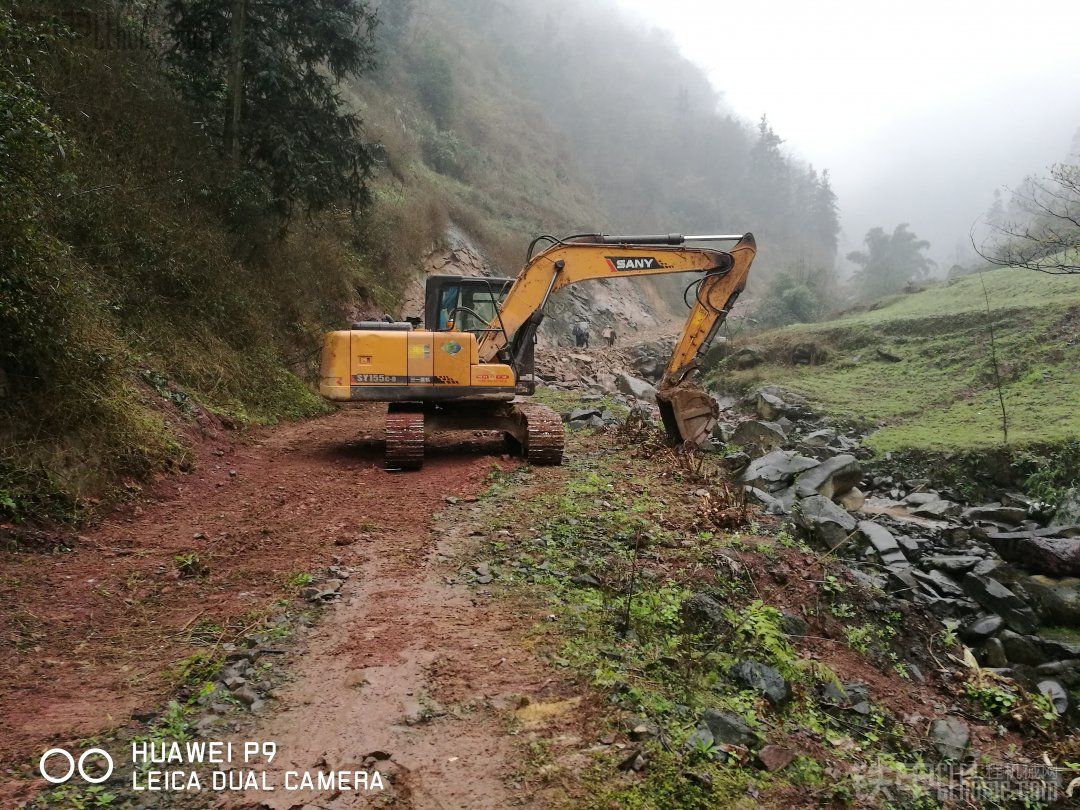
463,303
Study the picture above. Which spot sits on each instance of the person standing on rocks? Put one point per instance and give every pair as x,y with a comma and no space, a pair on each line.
608,335
581,334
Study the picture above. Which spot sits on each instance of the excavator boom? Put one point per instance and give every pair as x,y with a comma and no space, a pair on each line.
689,414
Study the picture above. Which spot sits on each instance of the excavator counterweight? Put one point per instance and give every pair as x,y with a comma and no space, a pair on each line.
473,363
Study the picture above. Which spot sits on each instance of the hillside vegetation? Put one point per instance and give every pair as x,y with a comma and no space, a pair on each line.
919,368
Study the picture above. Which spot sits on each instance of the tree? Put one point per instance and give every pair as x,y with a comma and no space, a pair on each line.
264,74
1043,233
890,261
825,214
796,294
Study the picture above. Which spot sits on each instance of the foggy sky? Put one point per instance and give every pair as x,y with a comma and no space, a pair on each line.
920,109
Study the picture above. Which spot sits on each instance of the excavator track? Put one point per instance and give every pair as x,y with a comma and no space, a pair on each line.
404,439
543,432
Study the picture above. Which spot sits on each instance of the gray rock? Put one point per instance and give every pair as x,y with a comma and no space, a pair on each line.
1056,692
950,736
1056,648
944,585
634,387
1067,672
982,628
951,563
911,547
852,500
793,625
985,568
946,607
586,581
247,696
1058,600
1017,499
901,582
936,510
832,478
775,470
919,498
995,653
995,513
764,679
1053,556
878,536
1022,649
640,729
824,521
1068,511
748,357
761,437
769,406
819,438
582,414
995,597
701,612
845,695
699,737
728,728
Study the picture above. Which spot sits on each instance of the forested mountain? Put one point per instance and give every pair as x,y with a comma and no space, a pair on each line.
572,117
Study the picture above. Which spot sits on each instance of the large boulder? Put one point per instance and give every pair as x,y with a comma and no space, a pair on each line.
1020,649
996,598
776,470
824,521
832,478
759,437
1054,556
748,357
634,387
1058,600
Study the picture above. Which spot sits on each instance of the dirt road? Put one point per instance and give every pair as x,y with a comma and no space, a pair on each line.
405,664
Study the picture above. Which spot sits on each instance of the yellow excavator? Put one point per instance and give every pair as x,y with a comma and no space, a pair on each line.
472,364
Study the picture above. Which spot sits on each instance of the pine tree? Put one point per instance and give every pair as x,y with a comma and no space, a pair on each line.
264,75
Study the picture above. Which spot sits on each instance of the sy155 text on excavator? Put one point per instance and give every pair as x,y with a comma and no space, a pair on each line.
471,367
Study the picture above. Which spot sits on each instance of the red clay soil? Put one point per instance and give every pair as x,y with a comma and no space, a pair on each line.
91,636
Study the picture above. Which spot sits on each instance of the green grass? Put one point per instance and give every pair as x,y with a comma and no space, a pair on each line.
940,395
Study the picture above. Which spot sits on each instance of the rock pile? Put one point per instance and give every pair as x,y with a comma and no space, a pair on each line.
1004,576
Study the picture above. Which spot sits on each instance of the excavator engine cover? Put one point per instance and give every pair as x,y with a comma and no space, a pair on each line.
689,414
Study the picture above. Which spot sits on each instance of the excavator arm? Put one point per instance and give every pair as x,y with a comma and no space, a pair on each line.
688,413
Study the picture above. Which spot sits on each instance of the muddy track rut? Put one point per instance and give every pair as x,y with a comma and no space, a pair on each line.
407,662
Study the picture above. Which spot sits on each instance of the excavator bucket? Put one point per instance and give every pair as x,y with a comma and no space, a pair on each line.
689,414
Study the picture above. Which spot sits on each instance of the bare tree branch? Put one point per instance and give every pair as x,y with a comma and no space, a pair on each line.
1046,237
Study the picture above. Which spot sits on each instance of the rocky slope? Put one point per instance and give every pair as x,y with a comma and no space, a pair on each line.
1002,576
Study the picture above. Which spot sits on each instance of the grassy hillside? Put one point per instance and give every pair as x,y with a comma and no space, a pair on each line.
935,389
